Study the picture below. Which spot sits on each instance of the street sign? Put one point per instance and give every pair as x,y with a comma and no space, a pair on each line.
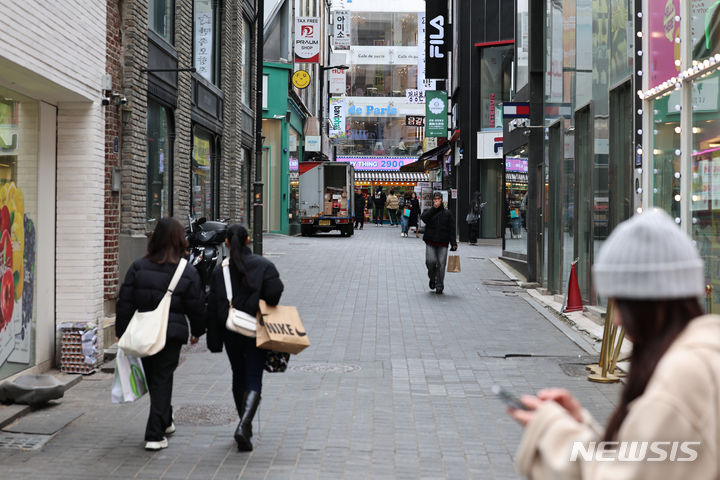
436,113
307,40
301,79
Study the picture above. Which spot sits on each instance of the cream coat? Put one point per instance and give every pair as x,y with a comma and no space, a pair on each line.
679,404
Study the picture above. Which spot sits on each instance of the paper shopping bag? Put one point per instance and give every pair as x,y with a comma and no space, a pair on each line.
129,383
453,263
280,329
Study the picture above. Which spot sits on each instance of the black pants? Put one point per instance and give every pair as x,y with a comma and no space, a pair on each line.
359,219
474,231
378,216
246,361
159,369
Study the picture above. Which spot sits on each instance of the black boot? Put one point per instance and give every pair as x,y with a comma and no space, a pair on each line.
239,398
243,433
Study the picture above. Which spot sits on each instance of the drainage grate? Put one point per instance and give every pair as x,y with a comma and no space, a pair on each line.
204,414
326,368
23,441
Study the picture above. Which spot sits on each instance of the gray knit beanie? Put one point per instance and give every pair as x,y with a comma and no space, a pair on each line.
648,257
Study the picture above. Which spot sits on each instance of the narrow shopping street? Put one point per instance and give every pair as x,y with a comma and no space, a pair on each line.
396,383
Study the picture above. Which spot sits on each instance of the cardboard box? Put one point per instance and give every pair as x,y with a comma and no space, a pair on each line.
343,203
328,210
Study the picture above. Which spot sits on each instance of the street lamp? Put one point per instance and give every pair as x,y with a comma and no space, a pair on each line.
322,92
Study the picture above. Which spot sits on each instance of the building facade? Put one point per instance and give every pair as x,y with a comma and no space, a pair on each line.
52,144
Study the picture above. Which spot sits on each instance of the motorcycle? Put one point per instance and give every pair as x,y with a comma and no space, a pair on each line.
206,239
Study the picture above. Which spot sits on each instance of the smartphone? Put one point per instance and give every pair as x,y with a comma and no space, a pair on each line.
510,400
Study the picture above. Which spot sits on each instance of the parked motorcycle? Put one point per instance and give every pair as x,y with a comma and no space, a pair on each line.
206,239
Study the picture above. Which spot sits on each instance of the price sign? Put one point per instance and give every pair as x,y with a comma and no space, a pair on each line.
414,121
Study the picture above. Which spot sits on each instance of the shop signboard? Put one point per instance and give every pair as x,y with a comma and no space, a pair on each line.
490,144
516,164
413,95
664,51
337,117
307,40
423,83
337,81
341,29
436,121
382,107
377,163
312,143
414,121
293,164
203,48
437,39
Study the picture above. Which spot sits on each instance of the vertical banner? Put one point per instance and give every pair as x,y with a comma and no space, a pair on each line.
436,113
422,82
341,30
437,39
203,38
307,40
338,81
337,117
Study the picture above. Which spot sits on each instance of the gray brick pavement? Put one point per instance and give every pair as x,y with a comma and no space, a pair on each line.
396,383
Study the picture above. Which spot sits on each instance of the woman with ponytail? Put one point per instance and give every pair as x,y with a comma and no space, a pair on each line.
253,278
667,421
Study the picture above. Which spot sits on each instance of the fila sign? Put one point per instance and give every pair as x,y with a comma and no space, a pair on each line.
437,39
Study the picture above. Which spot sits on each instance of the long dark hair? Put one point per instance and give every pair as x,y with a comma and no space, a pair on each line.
167,243
652,326
237,236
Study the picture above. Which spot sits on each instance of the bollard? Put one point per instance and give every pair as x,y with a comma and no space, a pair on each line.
604,371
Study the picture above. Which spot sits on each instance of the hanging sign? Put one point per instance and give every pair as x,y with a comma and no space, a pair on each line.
422,82
341,30
307,40
436,113
300,79
337,117
414,95
437,39
337,79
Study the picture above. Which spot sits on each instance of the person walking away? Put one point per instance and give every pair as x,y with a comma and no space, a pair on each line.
253,278
359,209
392,207
439,231
145,284
668,413
474,217
414,213
379,200
405,212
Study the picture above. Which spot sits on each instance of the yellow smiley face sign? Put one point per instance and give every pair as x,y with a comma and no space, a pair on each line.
301,79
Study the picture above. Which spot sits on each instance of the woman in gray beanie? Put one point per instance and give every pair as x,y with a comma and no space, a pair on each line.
667,421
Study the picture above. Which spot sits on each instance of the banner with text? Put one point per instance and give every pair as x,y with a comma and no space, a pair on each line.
437,39
307,40
337,117
436,122
341,30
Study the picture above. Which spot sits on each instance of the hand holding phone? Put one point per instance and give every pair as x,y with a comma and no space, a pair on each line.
508,398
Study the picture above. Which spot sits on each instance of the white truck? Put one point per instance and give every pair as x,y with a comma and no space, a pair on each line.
327,197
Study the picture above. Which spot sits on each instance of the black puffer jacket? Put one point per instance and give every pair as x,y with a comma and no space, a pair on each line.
145,284
439,226
264,283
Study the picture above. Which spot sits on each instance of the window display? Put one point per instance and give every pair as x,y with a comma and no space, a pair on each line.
159,162
380,136
384,28
203,178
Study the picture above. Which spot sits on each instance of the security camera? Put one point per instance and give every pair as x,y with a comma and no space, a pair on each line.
106,102
121,101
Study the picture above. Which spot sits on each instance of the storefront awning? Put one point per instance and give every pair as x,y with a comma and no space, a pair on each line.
427,160
391,177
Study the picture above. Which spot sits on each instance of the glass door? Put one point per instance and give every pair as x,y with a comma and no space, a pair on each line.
554,211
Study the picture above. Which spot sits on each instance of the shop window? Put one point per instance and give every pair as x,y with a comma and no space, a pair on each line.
162,18
495,72
515,203
705,29
206,39
204,167
246,62
19,128
381,80
380,136
384,28
705,190
666,155
160,132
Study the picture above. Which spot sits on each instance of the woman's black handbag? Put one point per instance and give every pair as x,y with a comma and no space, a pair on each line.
276,362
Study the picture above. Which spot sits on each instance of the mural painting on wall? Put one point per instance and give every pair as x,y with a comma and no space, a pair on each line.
17,276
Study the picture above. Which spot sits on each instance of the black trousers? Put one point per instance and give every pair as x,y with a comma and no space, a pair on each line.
246,361
474,231
378,215
359,219
159,370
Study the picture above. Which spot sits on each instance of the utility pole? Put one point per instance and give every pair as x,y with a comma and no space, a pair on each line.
258,184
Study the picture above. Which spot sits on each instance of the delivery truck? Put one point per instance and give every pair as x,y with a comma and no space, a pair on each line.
326,197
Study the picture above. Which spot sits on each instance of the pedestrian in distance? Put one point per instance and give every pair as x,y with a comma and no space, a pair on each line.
439,232
145,284
668,412
359,209
253,278
405,212
392,207
414,213
379,200
474,217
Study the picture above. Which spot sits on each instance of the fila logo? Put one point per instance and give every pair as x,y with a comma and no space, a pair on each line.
498,144
437,39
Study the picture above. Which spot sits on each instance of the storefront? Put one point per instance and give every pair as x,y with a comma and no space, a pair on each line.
680,150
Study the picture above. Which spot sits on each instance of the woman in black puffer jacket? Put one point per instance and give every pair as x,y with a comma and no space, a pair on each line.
253,278
145,284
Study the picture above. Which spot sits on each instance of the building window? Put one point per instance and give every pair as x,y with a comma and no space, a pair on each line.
162,18
380,137
495,68
204,166
384,29
246,62
159,162
381,80
206,44
522,42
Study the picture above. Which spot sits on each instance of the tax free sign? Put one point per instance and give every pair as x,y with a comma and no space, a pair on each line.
307,40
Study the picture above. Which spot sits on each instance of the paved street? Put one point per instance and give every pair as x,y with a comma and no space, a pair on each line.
396,383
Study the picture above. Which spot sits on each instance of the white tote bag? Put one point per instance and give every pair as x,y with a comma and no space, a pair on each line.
146,332
129,383
237,320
